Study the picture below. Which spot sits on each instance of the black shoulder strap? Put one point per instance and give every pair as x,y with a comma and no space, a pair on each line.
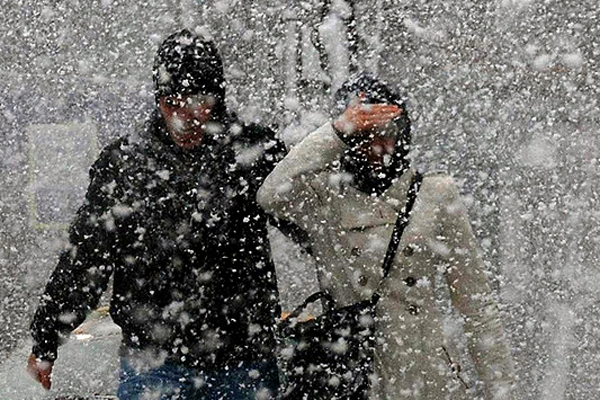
311,299
401,223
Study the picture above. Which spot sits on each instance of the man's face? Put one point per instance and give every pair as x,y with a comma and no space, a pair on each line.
186,117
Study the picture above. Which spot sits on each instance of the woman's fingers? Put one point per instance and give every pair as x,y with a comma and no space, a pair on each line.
358,117
41,371
373,116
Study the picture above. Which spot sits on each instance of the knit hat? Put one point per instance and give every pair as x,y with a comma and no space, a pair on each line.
188,64
375,90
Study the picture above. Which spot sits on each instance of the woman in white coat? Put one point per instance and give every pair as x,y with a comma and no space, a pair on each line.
344,185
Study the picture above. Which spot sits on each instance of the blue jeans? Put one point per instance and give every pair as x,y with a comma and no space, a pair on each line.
175,382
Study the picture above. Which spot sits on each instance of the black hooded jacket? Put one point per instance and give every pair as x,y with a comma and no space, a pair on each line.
187,244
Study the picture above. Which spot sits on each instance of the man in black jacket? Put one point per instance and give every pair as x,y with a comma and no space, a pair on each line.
171,213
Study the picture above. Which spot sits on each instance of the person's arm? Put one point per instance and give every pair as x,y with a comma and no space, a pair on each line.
257,150
471,294
287,192
82,273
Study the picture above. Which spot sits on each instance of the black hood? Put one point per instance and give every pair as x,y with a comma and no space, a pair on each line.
365,178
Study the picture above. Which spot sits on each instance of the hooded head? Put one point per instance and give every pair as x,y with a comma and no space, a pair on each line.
189,88
368,176
188,64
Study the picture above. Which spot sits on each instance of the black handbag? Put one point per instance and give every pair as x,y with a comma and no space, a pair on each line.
331,356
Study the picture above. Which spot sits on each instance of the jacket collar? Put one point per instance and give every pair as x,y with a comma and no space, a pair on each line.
396,194
360,210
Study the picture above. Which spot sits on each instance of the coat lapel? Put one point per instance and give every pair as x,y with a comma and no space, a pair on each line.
395,195
360,211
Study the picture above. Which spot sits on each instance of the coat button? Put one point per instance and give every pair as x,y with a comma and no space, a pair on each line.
412,309
356,251
363,280
455,368
410,281
408,251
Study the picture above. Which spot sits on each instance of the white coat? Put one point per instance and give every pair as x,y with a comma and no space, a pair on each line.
349,231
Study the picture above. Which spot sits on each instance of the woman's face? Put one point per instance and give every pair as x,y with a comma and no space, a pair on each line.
377,150
186,117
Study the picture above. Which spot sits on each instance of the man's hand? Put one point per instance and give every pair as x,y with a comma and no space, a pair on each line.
40,370
359,118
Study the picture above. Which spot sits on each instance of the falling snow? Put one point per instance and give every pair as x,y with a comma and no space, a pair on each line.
503,96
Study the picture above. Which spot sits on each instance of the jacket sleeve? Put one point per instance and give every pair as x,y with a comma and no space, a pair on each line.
83,269
471,294
287,192
269,150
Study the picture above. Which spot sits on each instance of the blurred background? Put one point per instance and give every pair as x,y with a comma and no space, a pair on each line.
503,95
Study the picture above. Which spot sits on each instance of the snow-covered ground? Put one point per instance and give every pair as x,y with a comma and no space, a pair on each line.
87,365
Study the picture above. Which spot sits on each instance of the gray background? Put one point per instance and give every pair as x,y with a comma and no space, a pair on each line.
504,96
